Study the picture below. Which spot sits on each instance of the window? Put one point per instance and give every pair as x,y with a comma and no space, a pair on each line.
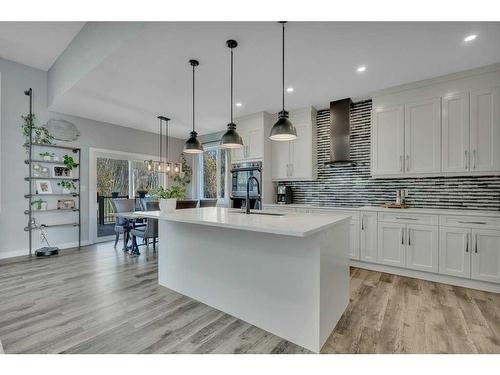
212,171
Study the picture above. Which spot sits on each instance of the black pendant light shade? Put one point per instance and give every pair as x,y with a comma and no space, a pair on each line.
283,129
231,138
193,145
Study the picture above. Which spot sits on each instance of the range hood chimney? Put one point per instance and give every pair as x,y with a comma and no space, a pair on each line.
340,125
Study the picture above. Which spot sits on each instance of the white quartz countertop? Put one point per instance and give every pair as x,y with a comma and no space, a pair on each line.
289,224
434,211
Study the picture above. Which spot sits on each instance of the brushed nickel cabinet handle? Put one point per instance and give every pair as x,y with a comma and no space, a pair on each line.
475,249
401,163
472,222
409,237
474,158
402,236
362,222
407,162
466,158
405,218
467,243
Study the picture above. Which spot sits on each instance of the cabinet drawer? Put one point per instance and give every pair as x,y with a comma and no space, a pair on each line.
402,218
469,221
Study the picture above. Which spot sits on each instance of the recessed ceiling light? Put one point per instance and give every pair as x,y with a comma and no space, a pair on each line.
361,68
289,89
238,104
470,38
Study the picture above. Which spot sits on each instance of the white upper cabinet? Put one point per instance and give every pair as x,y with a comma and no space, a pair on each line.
387,140
296,160
423,136
485,129
444,126
251,129
455,133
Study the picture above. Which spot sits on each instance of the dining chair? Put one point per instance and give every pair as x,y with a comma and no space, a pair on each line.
147,232
208,203
122,225
189,203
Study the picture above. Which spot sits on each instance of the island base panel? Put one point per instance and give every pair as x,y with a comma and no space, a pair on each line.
295,288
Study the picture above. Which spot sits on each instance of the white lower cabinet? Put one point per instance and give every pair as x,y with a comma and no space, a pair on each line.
391,244
368,237
422,247
354,240
454,251
485,255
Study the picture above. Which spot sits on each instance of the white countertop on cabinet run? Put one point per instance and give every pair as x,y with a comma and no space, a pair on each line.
434,211
289,224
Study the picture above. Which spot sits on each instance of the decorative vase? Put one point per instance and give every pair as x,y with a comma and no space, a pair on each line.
168,205
47,157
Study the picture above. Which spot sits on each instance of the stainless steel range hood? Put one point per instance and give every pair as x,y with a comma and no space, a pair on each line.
340,125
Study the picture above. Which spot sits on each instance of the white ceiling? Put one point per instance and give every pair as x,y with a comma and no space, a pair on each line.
150,75
37,44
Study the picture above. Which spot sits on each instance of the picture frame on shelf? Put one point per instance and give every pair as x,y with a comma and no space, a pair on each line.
43,187
65,204
61,171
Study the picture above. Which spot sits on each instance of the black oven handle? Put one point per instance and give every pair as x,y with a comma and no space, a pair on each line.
249,169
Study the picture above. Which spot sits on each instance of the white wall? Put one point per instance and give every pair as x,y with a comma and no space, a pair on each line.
15,79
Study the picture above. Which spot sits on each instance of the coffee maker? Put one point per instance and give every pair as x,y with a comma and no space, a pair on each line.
284,195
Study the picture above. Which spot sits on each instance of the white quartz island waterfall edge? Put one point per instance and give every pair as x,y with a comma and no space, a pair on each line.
287,274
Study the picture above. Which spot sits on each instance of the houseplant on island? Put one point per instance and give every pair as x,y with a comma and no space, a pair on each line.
168,197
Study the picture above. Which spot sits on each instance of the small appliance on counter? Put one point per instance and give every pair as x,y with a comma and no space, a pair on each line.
400,200
284,195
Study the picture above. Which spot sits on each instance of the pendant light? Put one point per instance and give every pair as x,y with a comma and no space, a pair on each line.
283,129
231,138
162,165
193,145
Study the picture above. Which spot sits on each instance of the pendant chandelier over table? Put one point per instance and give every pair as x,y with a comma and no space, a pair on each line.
163,165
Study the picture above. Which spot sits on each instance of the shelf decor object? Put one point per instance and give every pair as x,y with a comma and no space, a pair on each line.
283,129
231,138
163,165
39,182
193,145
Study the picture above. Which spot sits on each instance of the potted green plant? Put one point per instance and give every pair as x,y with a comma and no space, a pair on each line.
69,162
47,156
67,186
168,197
39,205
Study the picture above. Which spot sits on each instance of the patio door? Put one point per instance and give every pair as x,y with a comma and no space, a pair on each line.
115,174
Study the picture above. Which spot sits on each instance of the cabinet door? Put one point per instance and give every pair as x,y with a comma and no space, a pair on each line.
255,141
423,137
455,133
422,247
354,240
486,255
387,140
485,129
301,153
240,154
368,237
280,160
391,244
454,251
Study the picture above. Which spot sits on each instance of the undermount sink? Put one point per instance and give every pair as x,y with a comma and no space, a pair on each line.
261,213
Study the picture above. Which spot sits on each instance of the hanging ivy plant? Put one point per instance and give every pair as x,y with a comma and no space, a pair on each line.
40,135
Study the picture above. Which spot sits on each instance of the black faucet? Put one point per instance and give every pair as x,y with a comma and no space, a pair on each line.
247,203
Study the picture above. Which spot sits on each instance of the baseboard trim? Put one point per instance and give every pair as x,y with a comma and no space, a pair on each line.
444,279
24,252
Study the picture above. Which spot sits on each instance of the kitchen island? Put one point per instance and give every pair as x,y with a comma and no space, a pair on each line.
285,273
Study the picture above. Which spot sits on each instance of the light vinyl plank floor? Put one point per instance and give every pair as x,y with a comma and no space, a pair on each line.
100,300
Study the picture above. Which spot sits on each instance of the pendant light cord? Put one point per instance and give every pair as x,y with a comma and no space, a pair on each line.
283,68
166,141
161,143
231,104
193,98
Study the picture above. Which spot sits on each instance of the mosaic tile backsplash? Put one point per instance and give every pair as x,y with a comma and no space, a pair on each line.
352,186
